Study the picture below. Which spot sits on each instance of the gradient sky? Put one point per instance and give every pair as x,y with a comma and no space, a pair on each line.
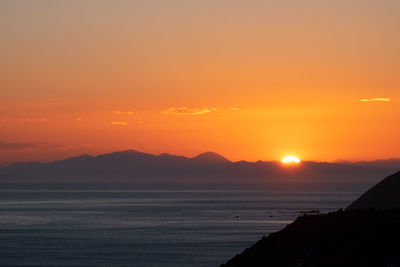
247,79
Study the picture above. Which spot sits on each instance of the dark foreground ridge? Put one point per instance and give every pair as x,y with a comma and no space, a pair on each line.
384,195
342,238
366,234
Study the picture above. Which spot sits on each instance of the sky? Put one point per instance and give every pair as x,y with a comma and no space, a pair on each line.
251,80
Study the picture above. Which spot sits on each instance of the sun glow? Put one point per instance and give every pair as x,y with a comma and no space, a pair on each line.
290,160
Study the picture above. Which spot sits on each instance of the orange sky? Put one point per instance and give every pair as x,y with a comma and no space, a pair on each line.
247,79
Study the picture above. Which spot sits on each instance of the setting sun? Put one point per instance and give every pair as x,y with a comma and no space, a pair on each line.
290,160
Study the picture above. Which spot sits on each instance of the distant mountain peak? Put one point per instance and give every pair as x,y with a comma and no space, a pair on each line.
210,157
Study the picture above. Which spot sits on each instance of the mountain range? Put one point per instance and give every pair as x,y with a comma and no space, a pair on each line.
135,166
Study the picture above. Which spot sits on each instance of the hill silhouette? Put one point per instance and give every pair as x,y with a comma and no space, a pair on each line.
384,195
343,238
136,166
366,234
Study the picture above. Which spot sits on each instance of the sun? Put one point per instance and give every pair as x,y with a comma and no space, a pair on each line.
290,160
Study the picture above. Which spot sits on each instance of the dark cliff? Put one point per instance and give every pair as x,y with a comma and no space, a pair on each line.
384,195
343,238
366,234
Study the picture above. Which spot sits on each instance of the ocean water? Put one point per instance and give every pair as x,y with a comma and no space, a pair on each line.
133,225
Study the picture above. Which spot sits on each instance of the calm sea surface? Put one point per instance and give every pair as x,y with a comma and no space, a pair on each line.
126,225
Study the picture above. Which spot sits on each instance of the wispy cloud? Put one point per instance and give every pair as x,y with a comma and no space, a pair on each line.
3,120
15,146
121,123
188,111
377,99
233,109
26,146
123,112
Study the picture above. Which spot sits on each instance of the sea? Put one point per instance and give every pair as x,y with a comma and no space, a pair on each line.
151,225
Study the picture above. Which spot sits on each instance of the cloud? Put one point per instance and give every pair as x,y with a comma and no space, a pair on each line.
122,123
123,112
16,146
27,146
188,111
377,99
233,109
3,120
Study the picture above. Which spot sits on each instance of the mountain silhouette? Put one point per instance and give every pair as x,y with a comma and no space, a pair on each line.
136,166
384,195
212,158
119,166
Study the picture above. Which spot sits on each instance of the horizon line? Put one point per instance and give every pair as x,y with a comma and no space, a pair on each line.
339,161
